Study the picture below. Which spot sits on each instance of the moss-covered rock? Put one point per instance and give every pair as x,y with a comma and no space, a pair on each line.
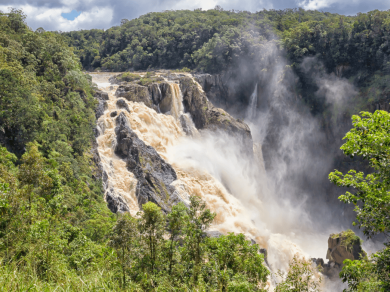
344,245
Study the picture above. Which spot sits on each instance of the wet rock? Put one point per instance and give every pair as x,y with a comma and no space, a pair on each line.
116,203
113,114
187,124
101,95
206,116
102,106
121,103
136,93
329,269
153,174
341,246
265,253
155,93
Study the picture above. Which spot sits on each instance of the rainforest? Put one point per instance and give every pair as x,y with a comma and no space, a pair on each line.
196,150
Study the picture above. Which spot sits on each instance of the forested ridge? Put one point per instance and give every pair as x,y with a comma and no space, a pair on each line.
216,41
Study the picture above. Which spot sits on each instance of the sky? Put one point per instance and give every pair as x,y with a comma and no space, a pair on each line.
67,15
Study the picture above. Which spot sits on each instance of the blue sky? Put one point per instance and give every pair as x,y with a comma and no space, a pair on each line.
66,15
71,15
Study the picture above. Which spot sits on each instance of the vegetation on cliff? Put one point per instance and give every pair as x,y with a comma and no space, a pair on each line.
369,139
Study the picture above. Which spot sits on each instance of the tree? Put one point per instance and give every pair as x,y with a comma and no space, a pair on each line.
199,219
176,221
299,278
369,139
124,239
152,229
237,263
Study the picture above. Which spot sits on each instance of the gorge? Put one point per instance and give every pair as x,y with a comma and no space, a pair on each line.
196,151
151,150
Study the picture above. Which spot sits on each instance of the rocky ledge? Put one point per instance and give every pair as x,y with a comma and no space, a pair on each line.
157,94
154,175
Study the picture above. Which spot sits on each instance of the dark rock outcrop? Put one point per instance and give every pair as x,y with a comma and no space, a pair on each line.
121,103
206,116
154,175
102,98
101,95
116,203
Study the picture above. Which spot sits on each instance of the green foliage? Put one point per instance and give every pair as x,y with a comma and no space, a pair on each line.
207,40
369,139
348,238
299,278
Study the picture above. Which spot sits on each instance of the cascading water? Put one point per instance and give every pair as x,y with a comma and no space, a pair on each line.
252,107
209,165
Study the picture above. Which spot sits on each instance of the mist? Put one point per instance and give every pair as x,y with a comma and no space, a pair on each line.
284,189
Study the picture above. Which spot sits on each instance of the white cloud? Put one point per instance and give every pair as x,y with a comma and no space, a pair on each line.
51,18
316,4
106,13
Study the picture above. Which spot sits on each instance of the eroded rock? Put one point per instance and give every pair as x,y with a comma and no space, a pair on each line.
121,103
206,116
154,175
136,93
344,245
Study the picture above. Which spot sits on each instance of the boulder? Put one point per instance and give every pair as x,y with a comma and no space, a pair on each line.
341,246
121,103
154,176
101,107
116,203
101,95
344,245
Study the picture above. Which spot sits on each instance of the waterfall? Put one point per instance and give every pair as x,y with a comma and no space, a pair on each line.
177,107
252,107
209,165
177,110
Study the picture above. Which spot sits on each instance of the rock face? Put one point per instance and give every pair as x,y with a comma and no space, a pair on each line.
206,116
136,93
342,246
154,175
228,88
102,98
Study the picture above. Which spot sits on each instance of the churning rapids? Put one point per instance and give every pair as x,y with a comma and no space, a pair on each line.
210,166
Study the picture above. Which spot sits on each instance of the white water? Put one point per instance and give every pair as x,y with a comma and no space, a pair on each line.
252,108
210,166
